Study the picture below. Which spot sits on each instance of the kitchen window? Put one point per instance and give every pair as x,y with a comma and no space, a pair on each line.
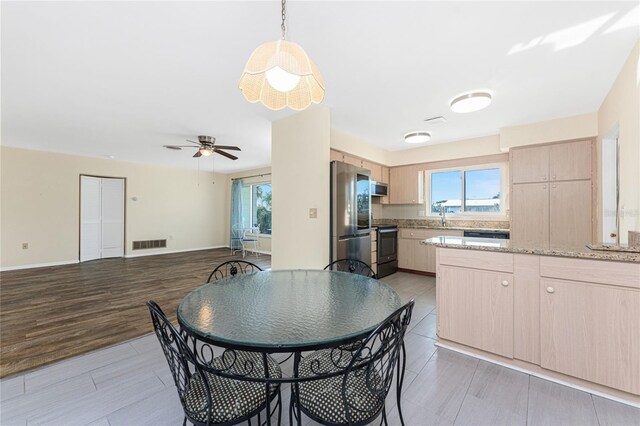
256,207
476,190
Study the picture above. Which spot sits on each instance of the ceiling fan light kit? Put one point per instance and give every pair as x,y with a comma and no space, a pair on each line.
206,147
280,74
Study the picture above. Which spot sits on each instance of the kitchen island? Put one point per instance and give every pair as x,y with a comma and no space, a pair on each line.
566,314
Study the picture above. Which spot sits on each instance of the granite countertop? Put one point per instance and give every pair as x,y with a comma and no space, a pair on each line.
454,224
490,244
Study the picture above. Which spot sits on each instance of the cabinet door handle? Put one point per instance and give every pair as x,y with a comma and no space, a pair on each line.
544,178
544,186
551,289
553,186
505,283
553,177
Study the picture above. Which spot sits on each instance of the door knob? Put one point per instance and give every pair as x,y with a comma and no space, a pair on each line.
550,289
505,283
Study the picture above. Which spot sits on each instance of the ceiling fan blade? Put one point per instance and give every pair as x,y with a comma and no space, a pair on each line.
226,154
174,147
232,148
197,154
197,143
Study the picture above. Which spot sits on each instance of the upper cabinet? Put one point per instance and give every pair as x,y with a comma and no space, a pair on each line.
552,200
561,161
530,164
376,170
406,185
570,161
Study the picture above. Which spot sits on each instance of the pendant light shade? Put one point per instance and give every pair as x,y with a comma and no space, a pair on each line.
280,74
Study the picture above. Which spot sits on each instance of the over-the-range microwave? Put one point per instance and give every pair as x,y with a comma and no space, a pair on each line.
379,189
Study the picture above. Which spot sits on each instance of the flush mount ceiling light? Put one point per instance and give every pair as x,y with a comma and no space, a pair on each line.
280,74
417,137
471,102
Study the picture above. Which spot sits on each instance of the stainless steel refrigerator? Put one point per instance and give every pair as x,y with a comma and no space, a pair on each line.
350,212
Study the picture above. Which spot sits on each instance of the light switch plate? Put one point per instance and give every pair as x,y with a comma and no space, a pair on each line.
313,213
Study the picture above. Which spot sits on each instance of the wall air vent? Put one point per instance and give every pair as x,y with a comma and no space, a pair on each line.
149,244
435,120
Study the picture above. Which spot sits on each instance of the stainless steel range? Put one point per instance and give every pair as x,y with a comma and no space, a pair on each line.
387,250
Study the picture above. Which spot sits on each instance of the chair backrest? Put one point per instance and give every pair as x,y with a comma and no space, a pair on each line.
232,268
353,266
182,363
371,364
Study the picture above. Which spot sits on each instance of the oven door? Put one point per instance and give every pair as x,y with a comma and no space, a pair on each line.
387,245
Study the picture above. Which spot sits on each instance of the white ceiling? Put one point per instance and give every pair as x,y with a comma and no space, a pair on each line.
122,79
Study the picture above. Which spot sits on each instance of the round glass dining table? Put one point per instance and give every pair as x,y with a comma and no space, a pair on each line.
287,311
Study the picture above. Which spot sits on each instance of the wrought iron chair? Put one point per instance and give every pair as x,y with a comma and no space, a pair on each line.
216,390
232,268
353,266
340,386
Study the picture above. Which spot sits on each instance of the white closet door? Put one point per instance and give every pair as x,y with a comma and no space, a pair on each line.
90,219
112,217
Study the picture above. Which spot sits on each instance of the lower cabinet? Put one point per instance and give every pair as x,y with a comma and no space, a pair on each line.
591,331
419,257
475,308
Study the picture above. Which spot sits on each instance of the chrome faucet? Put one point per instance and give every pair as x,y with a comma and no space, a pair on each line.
443,215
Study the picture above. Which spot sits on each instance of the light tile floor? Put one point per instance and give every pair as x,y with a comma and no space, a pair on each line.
130,384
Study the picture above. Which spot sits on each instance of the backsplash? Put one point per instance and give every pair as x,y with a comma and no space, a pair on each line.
451,223
407,216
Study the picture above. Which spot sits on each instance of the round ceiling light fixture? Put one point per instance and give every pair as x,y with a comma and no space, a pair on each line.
417,137
471,101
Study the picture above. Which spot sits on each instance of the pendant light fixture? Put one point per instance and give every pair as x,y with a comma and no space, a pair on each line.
280,74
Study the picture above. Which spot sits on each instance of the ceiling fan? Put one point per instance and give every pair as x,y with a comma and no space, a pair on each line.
206,146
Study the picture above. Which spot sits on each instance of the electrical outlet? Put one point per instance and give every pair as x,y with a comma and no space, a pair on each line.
25,246
313,213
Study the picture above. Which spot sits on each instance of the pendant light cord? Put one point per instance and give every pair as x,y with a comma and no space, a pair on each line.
284,16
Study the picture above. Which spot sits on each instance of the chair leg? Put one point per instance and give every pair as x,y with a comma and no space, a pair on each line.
184,422
400,380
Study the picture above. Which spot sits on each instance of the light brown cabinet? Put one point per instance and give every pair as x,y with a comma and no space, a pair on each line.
570,160
530,213
529,164
414,256
552,194
591,331
577,317
475,308
376,170
411,254
570,213
406,185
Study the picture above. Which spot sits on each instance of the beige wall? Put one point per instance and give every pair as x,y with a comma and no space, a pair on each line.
40,205
566,128
345,142
300,181
466,148
621,108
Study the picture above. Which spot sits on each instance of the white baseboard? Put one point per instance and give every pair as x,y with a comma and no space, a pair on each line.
38,265
539,375
173,251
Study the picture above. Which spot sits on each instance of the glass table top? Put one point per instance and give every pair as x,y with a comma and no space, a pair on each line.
287,309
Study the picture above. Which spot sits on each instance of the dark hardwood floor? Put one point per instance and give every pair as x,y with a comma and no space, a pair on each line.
48,314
